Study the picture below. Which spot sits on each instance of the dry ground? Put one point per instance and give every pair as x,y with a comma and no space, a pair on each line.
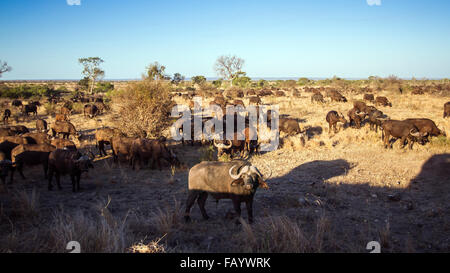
335,194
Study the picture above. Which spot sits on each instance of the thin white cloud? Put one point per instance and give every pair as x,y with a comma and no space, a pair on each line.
374,2
73,2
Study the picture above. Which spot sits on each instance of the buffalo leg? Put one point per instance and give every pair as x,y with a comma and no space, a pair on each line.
201,204
45,165
249,205
20,169
72,177
237,207
192,195
50,176
58,180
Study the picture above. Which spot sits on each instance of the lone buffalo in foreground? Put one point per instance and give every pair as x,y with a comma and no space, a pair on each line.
217,179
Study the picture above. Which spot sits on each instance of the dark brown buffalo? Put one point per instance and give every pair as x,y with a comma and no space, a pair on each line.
61,143
360,106
336,96
63,162
400,129
64,128
447,109
383,101
41,125
369,97
333,118
8,143
29,108
16,103
6,166
279,94
376,118
317,97
356,117
121,147
104,136
426,127
30,155
101,107
236,180
289,126
142,150
90,111
6,116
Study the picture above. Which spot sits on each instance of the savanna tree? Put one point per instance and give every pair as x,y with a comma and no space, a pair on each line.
177,78
92,70
155,71
4,68
198,80
229,67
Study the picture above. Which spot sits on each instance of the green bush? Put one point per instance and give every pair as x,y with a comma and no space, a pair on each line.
104,87
24,91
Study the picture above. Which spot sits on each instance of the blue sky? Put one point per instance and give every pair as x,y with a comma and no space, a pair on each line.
43,39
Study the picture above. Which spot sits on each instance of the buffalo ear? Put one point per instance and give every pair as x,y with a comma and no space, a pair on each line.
263,183
237,182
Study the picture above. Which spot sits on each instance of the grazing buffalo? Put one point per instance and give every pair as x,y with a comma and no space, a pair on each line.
279,94
383,101
400,129
236,180
41,125
426,127
369,97
336,96
104,136
447,109
90,110
289,126
317,97
73,163
6,116
333,118
31,155
360,106
356,117
64,128
29,108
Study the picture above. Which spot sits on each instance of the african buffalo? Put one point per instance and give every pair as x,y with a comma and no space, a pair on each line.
218,180
30,154
333,118
61,117
142,150
336,96
427,127
400,129
289,126
41,125
29,108
104,136
61,143
36,138
317,97
6,116
447,109
369,97
90,111
121,147
65,128
383,101
73,163
355,116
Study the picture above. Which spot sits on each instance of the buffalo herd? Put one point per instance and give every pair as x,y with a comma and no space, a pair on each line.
54,145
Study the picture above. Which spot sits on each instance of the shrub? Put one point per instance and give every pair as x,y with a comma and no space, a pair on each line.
104,87
207,153
143,106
